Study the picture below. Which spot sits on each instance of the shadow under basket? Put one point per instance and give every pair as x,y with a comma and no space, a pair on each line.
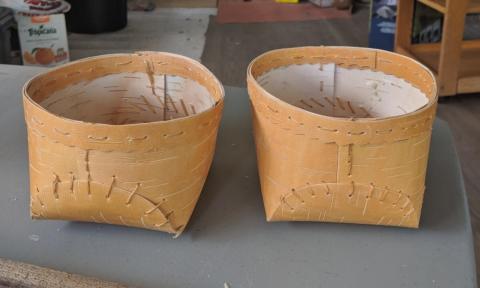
123,139
342,134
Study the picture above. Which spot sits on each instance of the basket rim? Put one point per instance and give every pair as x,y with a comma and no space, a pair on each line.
432,101
202,67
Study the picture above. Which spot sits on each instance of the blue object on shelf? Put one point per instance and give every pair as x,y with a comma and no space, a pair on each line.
382,24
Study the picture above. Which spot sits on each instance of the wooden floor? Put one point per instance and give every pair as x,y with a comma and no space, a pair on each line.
230,47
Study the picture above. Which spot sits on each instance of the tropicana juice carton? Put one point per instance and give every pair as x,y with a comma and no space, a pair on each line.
43,39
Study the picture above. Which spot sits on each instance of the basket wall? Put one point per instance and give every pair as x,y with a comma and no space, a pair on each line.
147,175
354,170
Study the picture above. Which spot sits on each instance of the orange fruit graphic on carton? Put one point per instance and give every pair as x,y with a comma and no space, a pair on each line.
44,56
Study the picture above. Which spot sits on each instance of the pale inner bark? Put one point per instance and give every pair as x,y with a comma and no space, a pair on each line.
331,90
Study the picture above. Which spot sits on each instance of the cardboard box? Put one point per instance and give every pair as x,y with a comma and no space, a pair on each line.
43,39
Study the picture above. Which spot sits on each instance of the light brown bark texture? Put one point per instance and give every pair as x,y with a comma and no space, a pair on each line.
143,163
342,169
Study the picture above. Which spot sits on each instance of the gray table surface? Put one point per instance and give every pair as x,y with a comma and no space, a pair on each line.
228,240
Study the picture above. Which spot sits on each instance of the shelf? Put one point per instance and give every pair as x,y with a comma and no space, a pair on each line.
440,5
435,47
469,68
458,70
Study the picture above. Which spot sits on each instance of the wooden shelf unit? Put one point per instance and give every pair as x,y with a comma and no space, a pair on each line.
440,5
455,62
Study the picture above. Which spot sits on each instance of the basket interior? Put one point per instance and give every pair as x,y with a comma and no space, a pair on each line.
331,90
128,98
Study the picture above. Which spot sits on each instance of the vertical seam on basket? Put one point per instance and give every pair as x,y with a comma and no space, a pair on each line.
384,194
38,197
149,67
184,107
338,163
334,86
134,191
110,188
169,98
165,107
72,182
55,182
352,189
350,107
367,199
350,160
87,169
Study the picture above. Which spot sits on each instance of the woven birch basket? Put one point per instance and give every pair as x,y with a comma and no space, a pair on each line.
123,139
342,134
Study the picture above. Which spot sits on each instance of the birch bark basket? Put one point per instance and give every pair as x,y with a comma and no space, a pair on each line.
124,139
342,134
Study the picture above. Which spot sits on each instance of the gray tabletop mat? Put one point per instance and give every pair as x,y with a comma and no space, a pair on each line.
228,240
